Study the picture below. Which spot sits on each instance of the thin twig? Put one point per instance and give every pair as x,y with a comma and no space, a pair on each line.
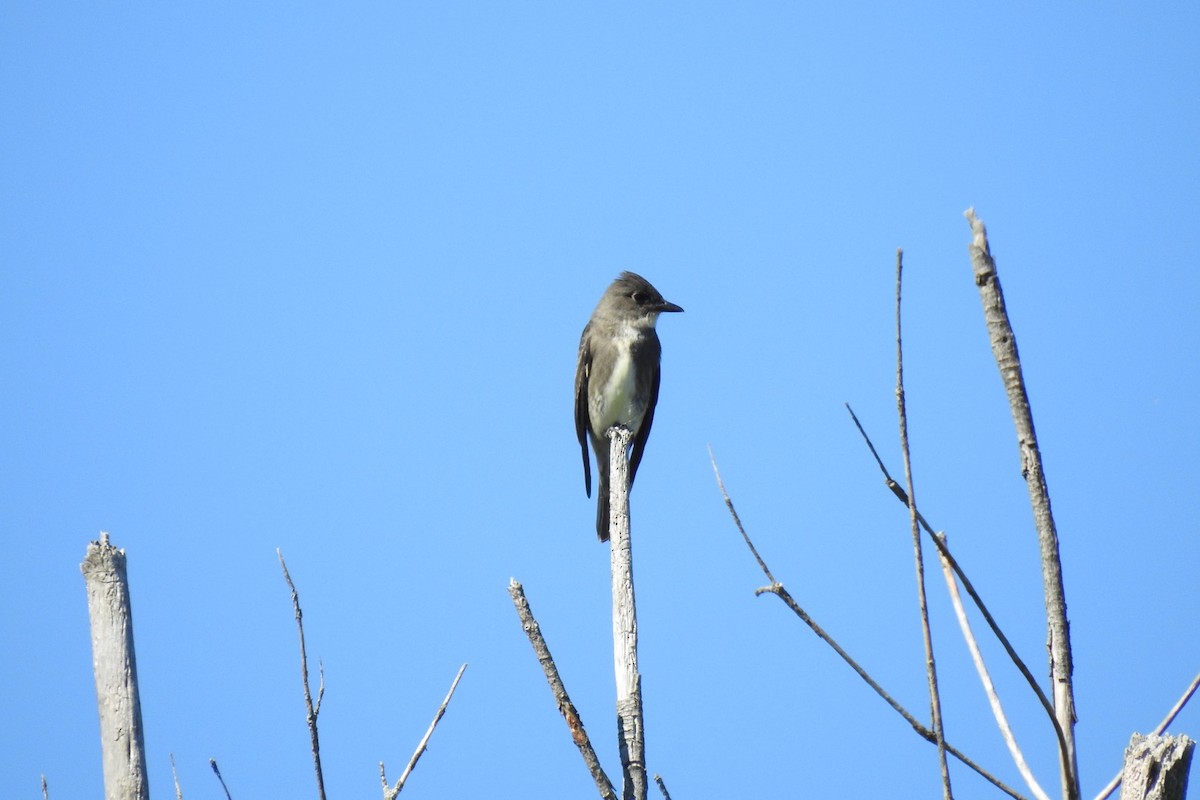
45,789
565,707
175,777
662,787
390,793
212,762
935,700
782,593
988,687
1004,349
944,552
310,709
1162,726
737,520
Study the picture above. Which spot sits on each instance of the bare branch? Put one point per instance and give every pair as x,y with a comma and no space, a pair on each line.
212,762
782,593
988,687
944,553
175,777
631,741
45,789
311,710
1004,348
737,520
565,707
390,794
935,702
662,787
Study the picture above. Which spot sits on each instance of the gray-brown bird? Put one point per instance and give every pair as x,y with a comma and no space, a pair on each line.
617,376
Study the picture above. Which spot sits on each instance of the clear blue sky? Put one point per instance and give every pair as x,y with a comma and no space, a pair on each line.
314,279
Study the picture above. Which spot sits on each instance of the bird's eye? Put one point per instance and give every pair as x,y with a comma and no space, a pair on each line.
639,298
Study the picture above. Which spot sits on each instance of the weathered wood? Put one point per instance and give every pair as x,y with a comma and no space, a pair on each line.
630,736
1156,767
115,668
1004,349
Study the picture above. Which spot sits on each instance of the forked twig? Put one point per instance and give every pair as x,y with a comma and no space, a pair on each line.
945,554
311,709
782,593
389,793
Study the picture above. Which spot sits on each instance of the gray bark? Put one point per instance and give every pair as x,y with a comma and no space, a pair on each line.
1156,767
115,668
1004,348
631,738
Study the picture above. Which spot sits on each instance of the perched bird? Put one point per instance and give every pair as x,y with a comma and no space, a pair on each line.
616,378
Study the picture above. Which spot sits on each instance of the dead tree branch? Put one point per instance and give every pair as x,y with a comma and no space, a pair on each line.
561,699
1010,740
311,709
776,588
935,701
944,552
212,762
631,738
389,793
1004,348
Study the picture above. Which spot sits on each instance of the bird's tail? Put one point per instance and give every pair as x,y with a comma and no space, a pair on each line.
602,507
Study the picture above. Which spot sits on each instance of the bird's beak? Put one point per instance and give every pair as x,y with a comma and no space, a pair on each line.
665,306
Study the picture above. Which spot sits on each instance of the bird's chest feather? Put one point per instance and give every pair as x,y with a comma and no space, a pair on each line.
619,400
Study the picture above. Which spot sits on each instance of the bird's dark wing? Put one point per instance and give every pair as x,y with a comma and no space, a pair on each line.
583,370
652,380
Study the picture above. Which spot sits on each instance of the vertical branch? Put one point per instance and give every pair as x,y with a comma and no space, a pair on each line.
630,734
935,702
311,710
1004,348
115,667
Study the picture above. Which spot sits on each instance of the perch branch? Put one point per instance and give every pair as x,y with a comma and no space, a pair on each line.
631,740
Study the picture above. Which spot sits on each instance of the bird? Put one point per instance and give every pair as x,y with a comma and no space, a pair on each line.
617,376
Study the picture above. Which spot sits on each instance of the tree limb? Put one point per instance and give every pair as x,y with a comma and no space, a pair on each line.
1004,348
